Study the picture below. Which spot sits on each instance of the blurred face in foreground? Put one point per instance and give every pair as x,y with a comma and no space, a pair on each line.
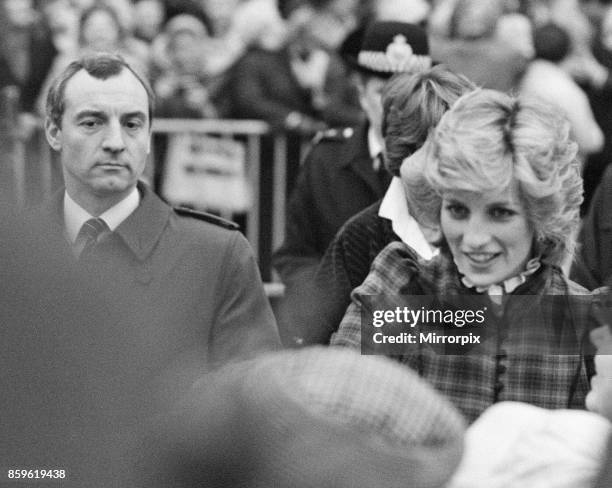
488,234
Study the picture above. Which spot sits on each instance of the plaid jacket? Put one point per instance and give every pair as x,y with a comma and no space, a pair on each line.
550,372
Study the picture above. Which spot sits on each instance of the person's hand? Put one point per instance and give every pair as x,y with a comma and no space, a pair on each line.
599,399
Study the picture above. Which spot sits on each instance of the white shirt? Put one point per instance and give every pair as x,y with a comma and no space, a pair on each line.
394,208
75,215
376,148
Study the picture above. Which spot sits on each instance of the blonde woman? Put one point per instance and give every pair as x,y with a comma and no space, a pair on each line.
499,176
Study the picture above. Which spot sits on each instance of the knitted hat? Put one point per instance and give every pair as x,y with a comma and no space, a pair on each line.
316,417
393,47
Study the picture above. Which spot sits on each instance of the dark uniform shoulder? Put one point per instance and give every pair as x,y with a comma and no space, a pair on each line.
333,135
206,217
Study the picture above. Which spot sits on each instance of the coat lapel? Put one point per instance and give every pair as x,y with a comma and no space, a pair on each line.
143,228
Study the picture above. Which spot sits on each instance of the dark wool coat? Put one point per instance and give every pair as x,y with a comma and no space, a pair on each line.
336,181
344,266
263,86
194,286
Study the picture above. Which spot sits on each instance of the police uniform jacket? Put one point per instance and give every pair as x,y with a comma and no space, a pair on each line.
190,286
337,180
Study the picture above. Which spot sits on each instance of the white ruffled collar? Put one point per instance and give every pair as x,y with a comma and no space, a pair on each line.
498,290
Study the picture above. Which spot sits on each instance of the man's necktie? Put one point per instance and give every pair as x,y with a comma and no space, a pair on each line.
88,236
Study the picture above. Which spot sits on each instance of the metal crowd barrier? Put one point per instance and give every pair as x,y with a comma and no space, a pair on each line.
253,131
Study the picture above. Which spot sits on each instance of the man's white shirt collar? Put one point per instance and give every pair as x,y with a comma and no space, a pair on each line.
394,208
75,215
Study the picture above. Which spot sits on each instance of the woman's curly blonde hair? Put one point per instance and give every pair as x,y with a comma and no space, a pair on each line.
487,141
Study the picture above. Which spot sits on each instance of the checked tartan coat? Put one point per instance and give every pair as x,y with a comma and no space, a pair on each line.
537,357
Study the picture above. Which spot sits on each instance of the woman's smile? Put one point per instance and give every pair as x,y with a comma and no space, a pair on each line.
481,258
488,233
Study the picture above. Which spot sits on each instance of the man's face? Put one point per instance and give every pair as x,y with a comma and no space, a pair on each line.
104,138
370,98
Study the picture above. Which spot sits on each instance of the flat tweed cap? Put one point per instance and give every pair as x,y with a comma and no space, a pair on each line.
316,417
388,48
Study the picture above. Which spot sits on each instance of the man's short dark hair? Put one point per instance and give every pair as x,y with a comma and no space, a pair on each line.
101,66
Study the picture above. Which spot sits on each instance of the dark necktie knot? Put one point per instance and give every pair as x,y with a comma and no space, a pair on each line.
89,235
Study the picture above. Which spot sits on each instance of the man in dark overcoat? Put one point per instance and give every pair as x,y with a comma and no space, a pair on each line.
193,294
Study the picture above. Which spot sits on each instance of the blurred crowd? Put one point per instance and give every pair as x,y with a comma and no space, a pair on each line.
279,61
198,55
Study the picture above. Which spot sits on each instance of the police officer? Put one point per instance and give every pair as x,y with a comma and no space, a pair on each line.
344,171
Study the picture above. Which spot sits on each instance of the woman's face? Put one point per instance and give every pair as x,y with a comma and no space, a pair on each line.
488,233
